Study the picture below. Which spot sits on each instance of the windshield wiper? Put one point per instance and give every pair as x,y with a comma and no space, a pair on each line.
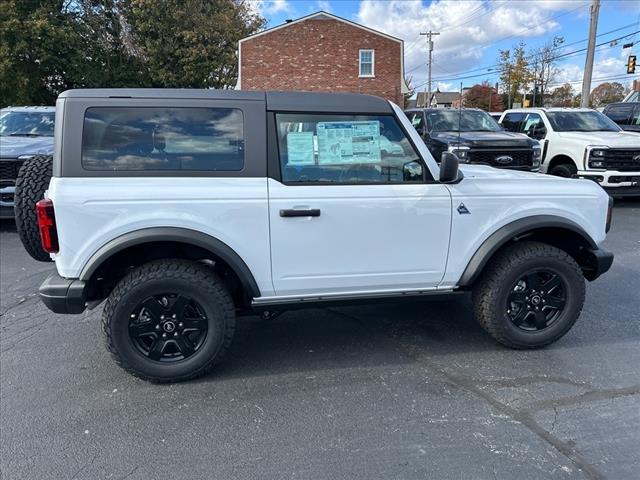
25,135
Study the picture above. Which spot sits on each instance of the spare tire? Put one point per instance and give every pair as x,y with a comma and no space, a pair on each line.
33,180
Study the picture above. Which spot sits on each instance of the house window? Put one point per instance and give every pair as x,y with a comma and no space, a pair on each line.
367,58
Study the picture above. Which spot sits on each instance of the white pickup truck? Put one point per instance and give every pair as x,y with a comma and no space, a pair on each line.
181,209
583,143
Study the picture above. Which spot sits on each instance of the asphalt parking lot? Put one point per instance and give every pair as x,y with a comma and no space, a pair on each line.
417,391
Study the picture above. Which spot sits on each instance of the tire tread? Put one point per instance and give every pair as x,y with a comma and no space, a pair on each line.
162,269
487,289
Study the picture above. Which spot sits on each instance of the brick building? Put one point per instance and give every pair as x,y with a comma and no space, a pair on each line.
326,53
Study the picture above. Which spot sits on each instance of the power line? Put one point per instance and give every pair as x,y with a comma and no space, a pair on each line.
567,54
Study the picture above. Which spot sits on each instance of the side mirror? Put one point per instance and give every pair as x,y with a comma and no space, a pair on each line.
412,172
449,172
539,132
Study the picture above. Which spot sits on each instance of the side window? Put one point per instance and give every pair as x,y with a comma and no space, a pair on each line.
511,121
533,126
162,138
621,114
346,149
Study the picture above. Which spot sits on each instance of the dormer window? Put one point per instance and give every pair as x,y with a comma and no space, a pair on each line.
367,58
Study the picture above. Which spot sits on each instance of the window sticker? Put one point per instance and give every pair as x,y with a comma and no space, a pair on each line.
348,142
300,148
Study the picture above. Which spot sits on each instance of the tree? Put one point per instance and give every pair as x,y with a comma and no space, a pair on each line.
483,96
562,96
514,72
47,46
190,43
606,93
543,66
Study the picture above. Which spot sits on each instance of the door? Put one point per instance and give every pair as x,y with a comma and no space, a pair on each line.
354,209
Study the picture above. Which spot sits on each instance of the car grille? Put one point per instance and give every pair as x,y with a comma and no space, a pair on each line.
622,160
9,169
521,159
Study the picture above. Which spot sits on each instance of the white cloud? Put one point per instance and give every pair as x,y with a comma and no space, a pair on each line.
467,28
324,5
269,7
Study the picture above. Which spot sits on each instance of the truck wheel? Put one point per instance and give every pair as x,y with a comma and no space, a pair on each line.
530,295
566,170
33,179
168,321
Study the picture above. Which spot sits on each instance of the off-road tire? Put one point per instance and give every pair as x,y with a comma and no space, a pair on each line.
33,179
201,284
565,170
493,287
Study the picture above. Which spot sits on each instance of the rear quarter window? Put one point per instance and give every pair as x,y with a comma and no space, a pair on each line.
162,138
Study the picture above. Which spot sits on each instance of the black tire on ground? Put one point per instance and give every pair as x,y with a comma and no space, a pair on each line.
494,289
33,179
172,277
566,170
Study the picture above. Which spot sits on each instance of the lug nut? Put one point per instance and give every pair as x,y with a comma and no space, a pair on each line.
173,316
161,317
181,325
158,327
164,335
175,334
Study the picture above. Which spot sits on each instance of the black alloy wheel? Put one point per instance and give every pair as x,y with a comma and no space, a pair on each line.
168,327
537,300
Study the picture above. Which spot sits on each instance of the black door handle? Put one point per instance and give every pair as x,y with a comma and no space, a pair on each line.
292,212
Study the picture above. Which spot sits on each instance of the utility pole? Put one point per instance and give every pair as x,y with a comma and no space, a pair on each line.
429,34
509,87
588,66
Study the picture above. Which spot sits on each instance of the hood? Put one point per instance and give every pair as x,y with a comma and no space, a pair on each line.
13,147
485,171
485,139
610,139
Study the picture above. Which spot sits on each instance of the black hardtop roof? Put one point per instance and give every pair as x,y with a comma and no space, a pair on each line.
278,101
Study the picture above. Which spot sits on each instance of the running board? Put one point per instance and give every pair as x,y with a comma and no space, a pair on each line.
347,297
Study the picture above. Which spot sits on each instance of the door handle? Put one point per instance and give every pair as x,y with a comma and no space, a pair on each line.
293,212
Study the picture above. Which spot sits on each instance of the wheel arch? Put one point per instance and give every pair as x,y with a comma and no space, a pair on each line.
557,231
559,159
141,246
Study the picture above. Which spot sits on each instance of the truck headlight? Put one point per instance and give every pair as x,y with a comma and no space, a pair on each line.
597,153
461,152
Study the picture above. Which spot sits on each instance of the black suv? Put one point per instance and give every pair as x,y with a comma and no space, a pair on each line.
475,137
625,114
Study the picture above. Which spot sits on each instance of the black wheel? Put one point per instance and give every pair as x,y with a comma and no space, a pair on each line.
168,321
530,295
33,179
566,170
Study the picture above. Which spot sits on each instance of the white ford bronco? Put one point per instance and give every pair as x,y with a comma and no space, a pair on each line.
182,209
584,143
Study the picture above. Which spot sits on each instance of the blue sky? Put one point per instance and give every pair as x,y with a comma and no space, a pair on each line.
473,32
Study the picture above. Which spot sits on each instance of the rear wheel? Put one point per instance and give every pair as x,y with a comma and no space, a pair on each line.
33,181
169,320
566,170
530,295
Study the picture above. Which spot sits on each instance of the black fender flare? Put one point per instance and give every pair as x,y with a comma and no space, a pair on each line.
512,230
174,234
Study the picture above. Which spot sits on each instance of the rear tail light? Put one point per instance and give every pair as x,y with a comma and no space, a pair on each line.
609,215
47,226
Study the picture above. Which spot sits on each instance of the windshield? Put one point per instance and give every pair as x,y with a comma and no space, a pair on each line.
465,121
27,124
581,122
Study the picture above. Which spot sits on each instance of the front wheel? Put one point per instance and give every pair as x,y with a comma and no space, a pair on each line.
530,295
169,320
564,170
